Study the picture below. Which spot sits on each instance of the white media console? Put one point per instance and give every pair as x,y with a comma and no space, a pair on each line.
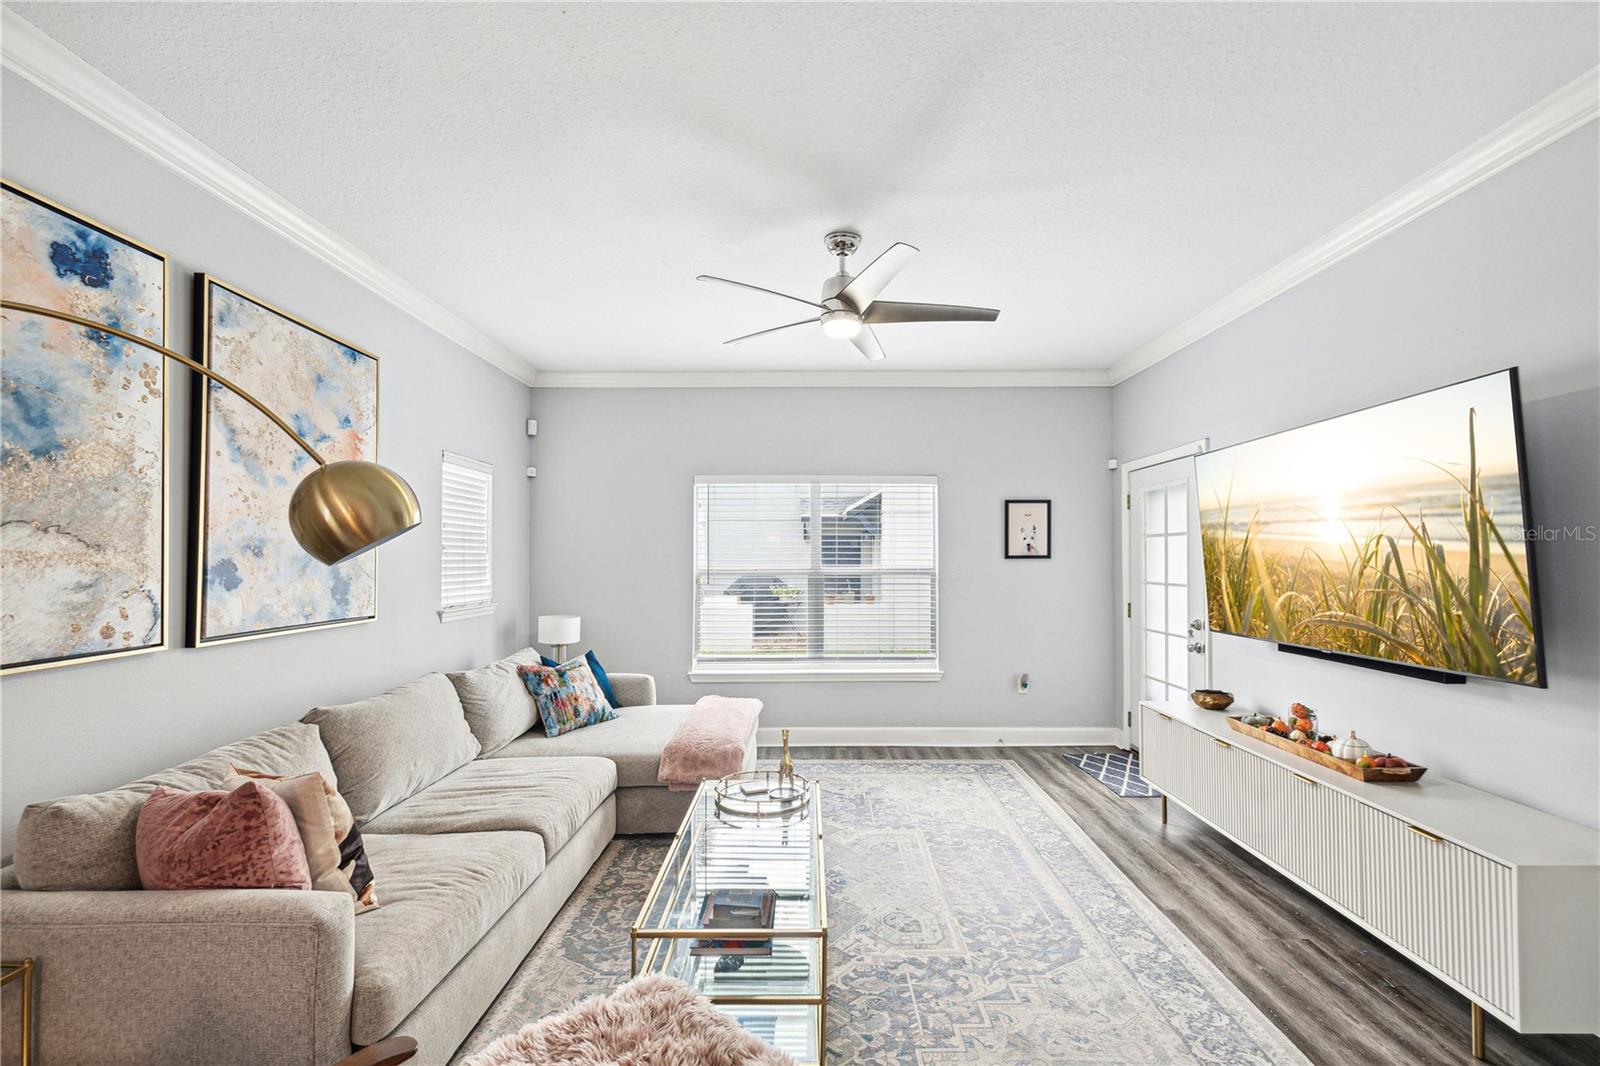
1498,900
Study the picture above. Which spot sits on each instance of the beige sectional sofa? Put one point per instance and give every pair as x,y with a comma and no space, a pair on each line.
477,832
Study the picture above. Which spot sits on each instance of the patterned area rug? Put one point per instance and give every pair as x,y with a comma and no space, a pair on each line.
973,923
1117,770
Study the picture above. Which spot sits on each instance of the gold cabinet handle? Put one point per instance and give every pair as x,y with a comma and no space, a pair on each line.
1303,777
1220,742
1163,717
1421,832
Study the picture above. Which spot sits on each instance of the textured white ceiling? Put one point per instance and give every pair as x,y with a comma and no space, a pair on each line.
558,174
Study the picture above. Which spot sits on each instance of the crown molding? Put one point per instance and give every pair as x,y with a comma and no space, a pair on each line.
1567,109
63,75
823,379
49,65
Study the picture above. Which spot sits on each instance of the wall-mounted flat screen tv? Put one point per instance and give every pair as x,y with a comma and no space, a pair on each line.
1392,535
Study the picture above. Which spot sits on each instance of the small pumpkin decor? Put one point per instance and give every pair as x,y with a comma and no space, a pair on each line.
1351,748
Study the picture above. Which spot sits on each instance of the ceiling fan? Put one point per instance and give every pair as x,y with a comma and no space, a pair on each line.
850,306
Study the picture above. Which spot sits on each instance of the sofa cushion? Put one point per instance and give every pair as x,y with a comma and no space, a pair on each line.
387,748
550,797
441,894
633,741
87,842
497,706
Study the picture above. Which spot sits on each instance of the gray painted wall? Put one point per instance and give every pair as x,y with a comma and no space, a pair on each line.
97,725
613,525
1505,275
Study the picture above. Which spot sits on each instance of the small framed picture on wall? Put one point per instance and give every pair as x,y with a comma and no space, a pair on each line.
1027,529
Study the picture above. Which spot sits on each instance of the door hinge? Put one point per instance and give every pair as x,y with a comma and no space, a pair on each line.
1130,718
1127,502
1130,608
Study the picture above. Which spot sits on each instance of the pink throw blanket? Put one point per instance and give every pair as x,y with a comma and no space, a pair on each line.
709,743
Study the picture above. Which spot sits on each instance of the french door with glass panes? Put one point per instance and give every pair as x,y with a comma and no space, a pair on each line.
1167,646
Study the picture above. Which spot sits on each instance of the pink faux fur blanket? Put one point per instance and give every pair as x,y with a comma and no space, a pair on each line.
650,1021
709,743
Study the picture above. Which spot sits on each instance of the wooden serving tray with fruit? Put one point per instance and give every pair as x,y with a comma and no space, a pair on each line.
1349,769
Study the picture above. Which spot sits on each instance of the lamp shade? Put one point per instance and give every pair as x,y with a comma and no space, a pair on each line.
558,628
345,508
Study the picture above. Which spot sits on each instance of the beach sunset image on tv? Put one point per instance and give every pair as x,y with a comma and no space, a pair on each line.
1393,533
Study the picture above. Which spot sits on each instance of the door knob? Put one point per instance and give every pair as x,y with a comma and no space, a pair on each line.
1198,647
1197,625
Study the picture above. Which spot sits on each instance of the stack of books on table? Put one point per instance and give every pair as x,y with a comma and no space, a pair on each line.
736,908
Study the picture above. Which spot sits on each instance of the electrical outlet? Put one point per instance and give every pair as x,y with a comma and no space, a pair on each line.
533,427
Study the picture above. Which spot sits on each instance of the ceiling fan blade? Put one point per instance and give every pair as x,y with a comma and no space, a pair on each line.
774,329
758,288
867,341
882,311
865,286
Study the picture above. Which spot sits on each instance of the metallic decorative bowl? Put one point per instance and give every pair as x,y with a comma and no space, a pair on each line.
1212,699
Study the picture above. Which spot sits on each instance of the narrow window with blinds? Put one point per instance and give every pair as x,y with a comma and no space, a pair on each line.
821,577
466,537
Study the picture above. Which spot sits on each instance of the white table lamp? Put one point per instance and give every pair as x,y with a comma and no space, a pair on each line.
558,630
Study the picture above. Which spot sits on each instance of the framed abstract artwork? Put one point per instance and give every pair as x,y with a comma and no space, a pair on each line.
250,578
1027,529
83,441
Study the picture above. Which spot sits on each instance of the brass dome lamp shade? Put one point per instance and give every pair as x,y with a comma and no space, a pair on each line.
340,509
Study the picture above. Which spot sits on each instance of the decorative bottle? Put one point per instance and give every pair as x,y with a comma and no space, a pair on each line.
785,765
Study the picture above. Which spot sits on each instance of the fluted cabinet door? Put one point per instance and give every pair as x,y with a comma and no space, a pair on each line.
1155,754
1449,906
1162,758
1312,832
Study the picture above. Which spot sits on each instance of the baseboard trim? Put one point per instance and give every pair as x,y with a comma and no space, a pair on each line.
955,737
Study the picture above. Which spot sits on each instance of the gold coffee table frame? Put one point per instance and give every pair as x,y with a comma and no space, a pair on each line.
656,959
22,970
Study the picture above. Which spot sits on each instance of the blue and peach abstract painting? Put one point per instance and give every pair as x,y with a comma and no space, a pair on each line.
82,441
254,578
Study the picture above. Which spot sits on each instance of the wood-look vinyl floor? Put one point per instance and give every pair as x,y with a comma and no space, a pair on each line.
1341,995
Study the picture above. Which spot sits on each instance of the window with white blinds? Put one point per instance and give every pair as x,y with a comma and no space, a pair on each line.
466,536
820,576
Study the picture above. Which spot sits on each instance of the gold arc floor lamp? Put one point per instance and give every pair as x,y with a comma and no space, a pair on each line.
340,509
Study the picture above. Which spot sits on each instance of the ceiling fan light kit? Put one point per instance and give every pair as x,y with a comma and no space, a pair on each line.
850,306
841,324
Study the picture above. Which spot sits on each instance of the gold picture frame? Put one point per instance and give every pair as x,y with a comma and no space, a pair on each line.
162,383
304,341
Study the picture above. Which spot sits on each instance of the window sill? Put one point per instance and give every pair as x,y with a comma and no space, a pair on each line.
876,672
457,614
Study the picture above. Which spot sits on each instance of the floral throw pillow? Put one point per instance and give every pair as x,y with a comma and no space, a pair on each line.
568,696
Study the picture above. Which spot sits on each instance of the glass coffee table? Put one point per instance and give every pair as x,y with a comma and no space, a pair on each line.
782,997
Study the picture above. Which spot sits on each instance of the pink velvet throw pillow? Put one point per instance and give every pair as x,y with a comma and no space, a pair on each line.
246,838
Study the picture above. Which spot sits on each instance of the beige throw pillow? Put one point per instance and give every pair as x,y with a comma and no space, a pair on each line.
335,854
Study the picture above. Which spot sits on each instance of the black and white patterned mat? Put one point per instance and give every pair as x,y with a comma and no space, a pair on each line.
1117,770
